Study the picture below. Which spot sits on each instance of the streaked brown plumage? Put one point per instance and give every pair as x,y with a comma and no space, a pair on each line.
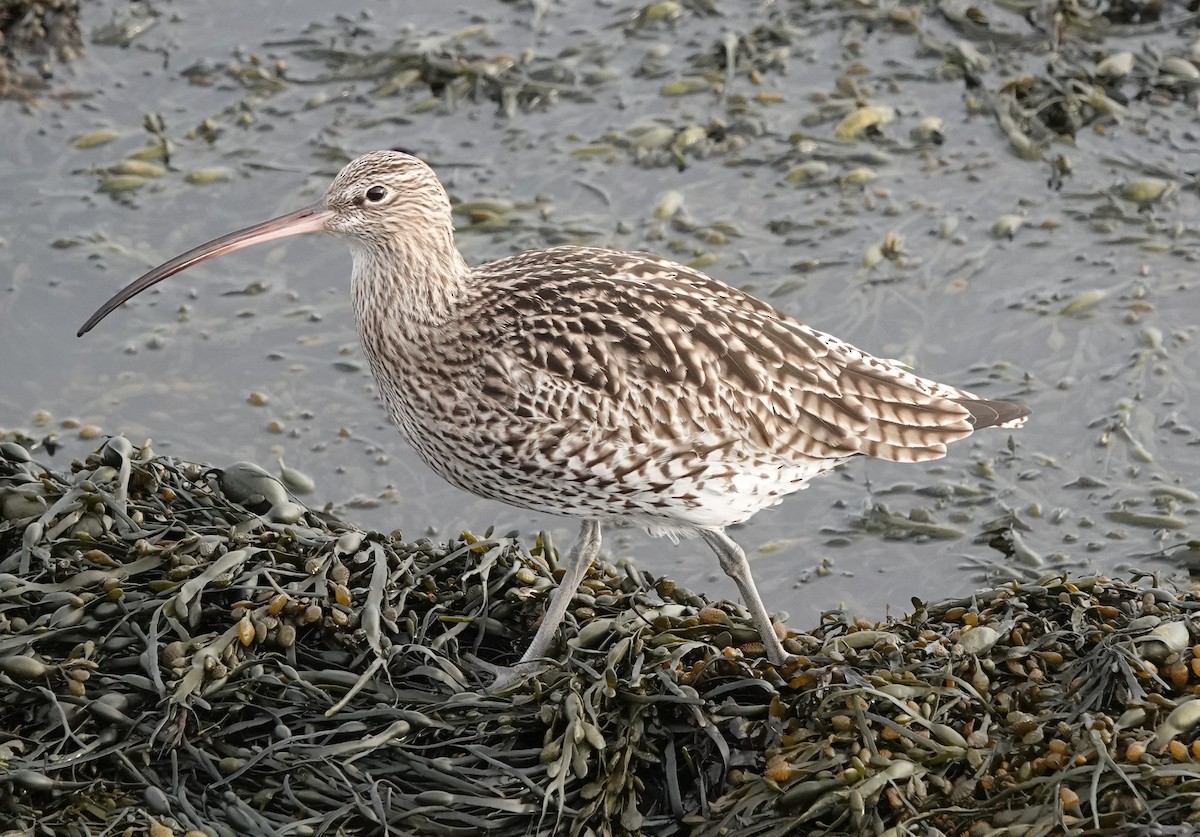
600,384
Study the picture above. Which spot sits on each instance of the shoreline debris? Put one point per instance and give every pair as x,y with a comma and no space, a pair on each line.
171,656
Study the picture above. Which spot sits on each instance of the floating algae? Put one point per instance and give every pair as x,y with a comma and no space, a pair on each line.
171,656
35,28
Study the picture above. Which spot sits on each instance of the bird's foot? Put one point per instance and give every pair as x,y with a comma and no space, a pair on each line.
505,677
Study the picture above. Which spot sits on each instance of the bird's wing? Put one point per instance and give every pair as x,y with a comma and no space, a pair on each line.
654,350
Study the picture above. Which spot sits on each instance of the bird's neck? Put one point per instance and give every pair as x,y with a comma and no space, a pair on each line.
418,283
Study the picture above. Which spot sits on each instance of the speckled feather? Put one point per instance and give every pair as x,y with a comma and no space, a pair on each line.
606,384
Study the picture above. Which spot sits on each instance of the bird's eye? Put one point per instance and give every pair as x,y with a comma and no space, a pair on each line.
376,194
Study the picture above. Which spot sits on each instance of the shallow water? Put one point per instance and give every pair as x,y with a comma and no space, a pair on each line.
1086,312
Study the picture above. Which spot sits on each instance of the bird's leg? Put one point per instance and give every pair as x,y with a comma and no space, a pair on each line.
586,547
734,563
582,553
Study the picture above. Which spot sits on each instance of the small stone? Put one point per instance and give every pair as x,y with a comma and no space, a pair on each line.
978,640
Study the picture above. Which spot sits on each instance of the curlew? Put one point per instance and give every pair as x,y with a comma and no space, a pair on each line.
600,384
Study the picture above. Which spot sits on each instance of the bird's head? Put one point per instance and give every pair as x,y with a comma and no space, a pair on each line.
384,196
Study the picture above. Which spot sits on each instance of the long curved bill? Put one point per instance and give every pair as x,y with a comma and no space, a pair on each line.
308,220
